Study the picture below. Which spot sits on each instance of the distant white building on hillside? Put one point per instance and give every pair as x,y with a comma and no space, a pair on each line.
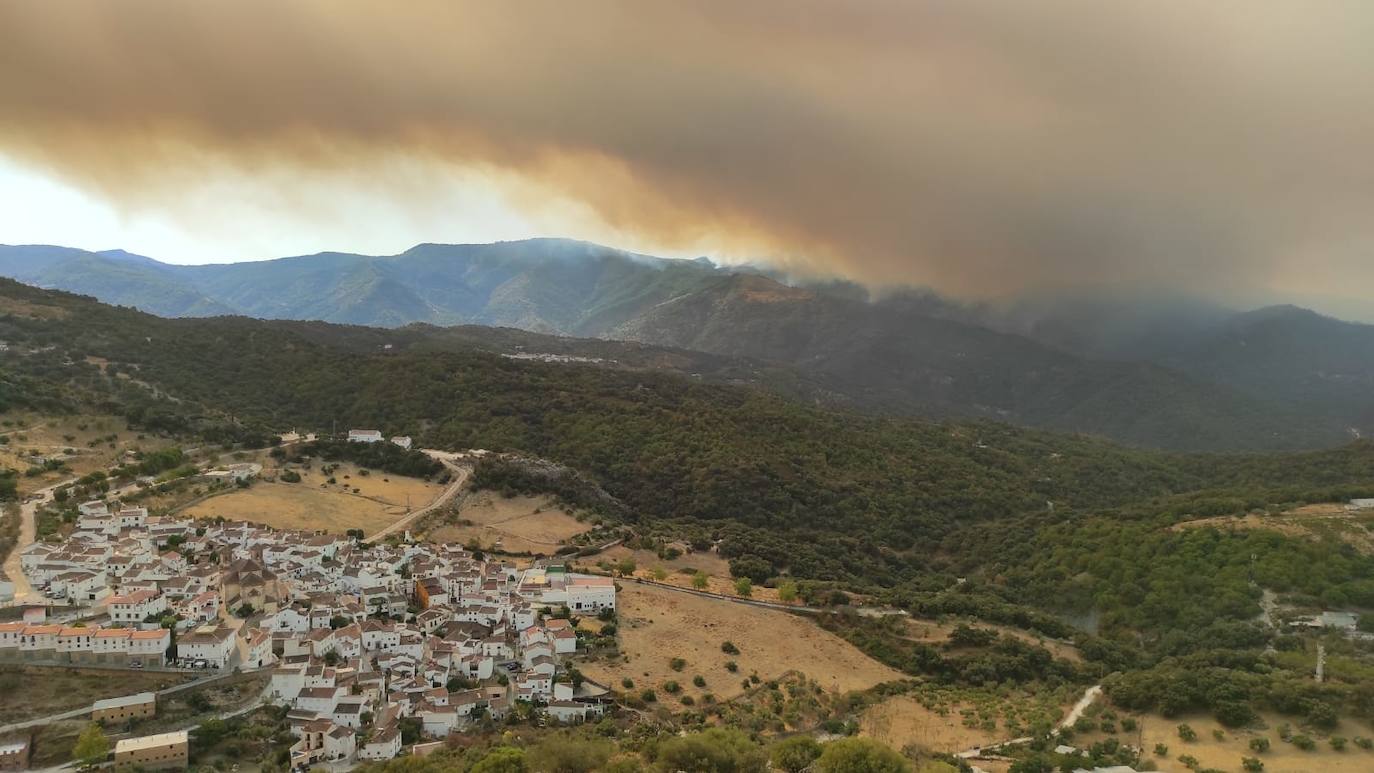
235,472
402,440
365,436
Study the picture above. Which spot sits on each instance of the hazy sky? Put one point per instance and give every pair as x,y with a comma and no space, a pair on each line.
980,147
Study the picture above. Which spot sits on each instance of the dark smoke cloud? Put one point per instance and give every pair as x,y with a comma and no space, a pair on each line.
980,147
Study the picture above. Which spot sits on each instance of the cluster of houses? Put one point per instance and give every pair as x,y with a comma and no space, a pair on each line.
358,637
376,436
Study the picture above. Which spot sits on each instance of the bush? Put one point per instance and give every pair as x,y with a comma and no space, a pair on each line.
627,683
794,754
1251,764
729,648
1321,715
671,687
677,664
1161,750
716,749
1337,743
699,680
648,696
1260,745
502,759
1304,742
567,753
860,755
1187,733
731,666
1234,713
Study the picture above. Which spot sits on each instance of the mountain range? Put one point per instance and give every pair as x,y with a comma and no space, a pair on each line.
1185,376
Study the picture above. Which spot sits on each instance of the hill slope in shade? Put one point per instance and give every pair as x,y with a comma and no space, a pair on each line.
905,354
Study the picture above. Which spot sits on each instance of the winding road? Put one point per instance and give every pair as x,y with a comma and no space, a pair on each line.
460,479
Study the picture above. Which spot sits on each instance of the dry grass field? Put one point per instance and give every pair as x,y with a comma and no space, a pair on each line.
657,625
48,691
710,563
901,720
87,437
520,524
354,501
1226,754
949,719
680,571
53,742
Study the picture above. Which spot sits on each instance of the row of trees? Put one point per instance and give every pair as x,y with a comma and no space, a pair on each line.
715,750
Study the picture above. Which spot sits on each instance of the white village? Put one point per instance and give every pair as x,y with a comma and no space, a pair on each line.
357,637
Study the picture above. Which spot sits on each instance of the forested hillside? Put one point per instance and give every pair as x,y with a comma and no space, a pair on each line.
1068,525
544,285
906,354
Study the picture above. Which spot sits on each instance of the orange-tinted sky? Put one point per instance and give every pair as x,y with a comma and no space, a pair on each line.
979,147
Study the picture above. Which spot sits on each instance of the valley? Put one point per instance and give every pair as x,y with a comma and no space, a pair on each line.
717,508
661,387
907,352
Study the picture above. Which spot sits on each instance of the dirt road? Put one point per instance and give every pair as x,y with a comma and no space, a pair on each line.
28,533
991,750
460,479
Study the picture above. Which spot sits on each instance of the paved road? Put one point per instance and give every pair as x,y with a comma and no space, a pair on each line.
460,479
86,710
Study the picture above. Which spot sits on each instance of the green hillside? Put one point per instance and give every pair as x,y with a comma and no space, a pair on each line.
1021,526
904,355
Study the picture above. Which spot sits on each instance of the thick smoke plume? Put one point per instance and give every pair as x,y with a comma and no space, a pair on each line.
976,146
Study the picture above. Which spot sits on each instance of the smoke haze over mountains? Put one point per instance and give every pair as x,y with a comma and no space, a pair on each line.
981,148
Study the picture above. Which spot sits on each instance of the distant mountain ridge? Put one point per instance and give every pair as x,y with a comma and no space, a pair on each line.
544,285
1187,378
